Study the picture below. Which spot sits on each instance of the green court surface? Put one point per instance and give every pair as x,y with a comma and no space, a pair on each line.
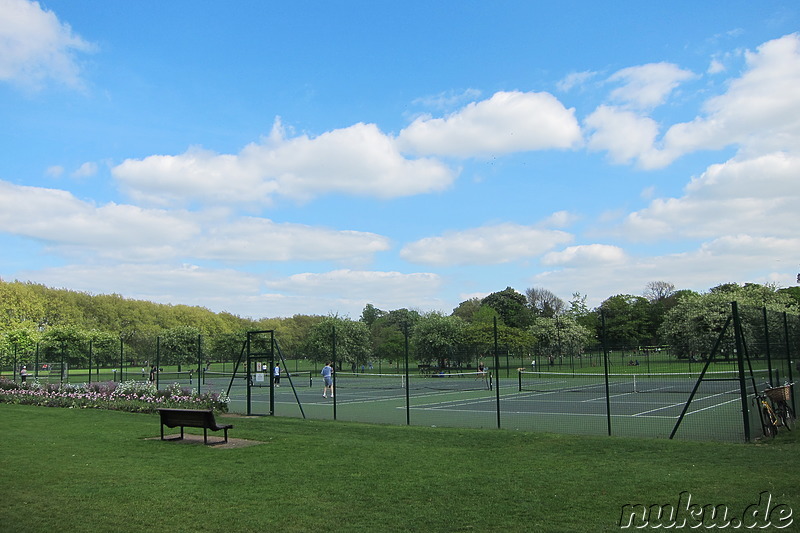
555,403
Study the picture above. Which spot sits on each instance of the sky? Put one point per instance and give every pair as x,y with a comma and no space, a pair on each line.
273,158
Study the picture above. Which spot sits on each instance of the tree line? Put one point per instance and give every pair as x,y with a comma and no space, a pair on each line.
59,323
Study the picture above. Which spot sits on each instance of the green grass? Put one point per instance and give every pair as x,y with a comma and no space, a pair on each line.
98,470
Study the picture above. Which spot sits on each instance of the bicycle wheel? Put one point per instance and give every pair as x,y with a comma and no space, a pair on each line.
786,415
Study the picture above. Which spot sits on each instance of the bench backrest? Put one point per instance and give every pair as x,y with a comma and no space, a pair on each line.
187,418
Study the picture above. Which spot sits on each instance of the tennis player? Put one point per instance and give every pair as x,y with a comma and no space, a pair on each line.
327,379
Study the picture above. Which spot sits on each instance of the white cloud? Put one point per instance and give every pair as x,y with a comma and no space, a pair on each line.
86,170
624,134
760,111
647,86
72,222
130,233
54,171
259,239
733,258
757,196
486,245
507,122
448,99
170,283
594,254
560,219
715,67
35,46
575,79
242,293
324,292
359,283
358,160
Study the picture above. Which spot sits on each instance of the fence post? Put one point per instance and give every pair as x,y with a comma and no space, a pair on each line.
766,343
737,330
333,373
605,373
408,393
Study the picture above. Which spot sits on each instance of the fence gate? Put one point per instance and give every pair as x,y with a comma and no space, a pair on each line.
260,362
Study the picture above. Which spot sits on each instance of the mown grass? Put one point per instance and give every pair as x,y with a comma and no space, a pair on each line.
101,471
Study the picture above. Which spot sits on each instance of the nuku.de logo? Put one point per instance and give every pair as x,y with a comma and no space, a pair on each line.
686,514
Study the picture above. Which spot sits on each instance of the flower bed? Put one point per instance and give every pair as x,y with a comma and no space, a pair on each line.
132,396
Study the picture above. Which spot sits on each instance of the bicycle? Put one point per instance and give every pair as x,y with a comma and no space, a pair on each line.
769,420
780,397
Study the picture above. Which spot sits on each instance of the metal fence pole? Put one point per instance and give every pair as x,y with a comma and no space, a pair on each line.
408,383
497,372
605,373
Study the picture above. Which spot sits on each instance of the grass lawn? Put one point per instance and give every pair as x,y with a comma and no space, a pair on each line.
101,471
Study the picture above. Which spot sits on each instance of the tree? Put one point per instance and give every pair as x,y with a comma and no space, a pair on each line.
467,309
180,345
438,338
19,343
65,344
370,314
544,303
656,291
627,321
560,336
694,324
479,335
351,340
511,306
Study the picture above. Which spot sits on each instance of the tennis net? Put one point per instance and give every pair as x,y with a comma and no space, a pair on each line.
298,378
717,382
461,381
184,376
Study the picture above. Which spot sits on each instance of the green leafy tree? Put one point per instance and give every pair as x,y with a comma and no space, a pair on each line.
18,343
511,306
467,309
627,321
179,346
66,344
370,314
105,348
479,335
560,336
694,324
440,339
351,338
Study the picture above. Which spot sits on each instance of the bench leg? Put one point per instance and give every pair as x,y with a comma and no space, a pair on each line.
162,431
205,436
226,435
181,432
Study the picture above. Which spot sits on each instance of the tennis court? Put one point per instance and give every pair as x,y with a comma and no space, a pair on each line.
639,404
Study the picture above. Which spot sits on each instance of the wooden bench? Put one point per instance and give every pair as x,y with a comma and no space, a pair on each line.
192,418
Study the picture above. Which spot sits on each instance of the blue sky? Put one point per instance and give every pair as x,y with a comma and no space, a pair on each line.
279,158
